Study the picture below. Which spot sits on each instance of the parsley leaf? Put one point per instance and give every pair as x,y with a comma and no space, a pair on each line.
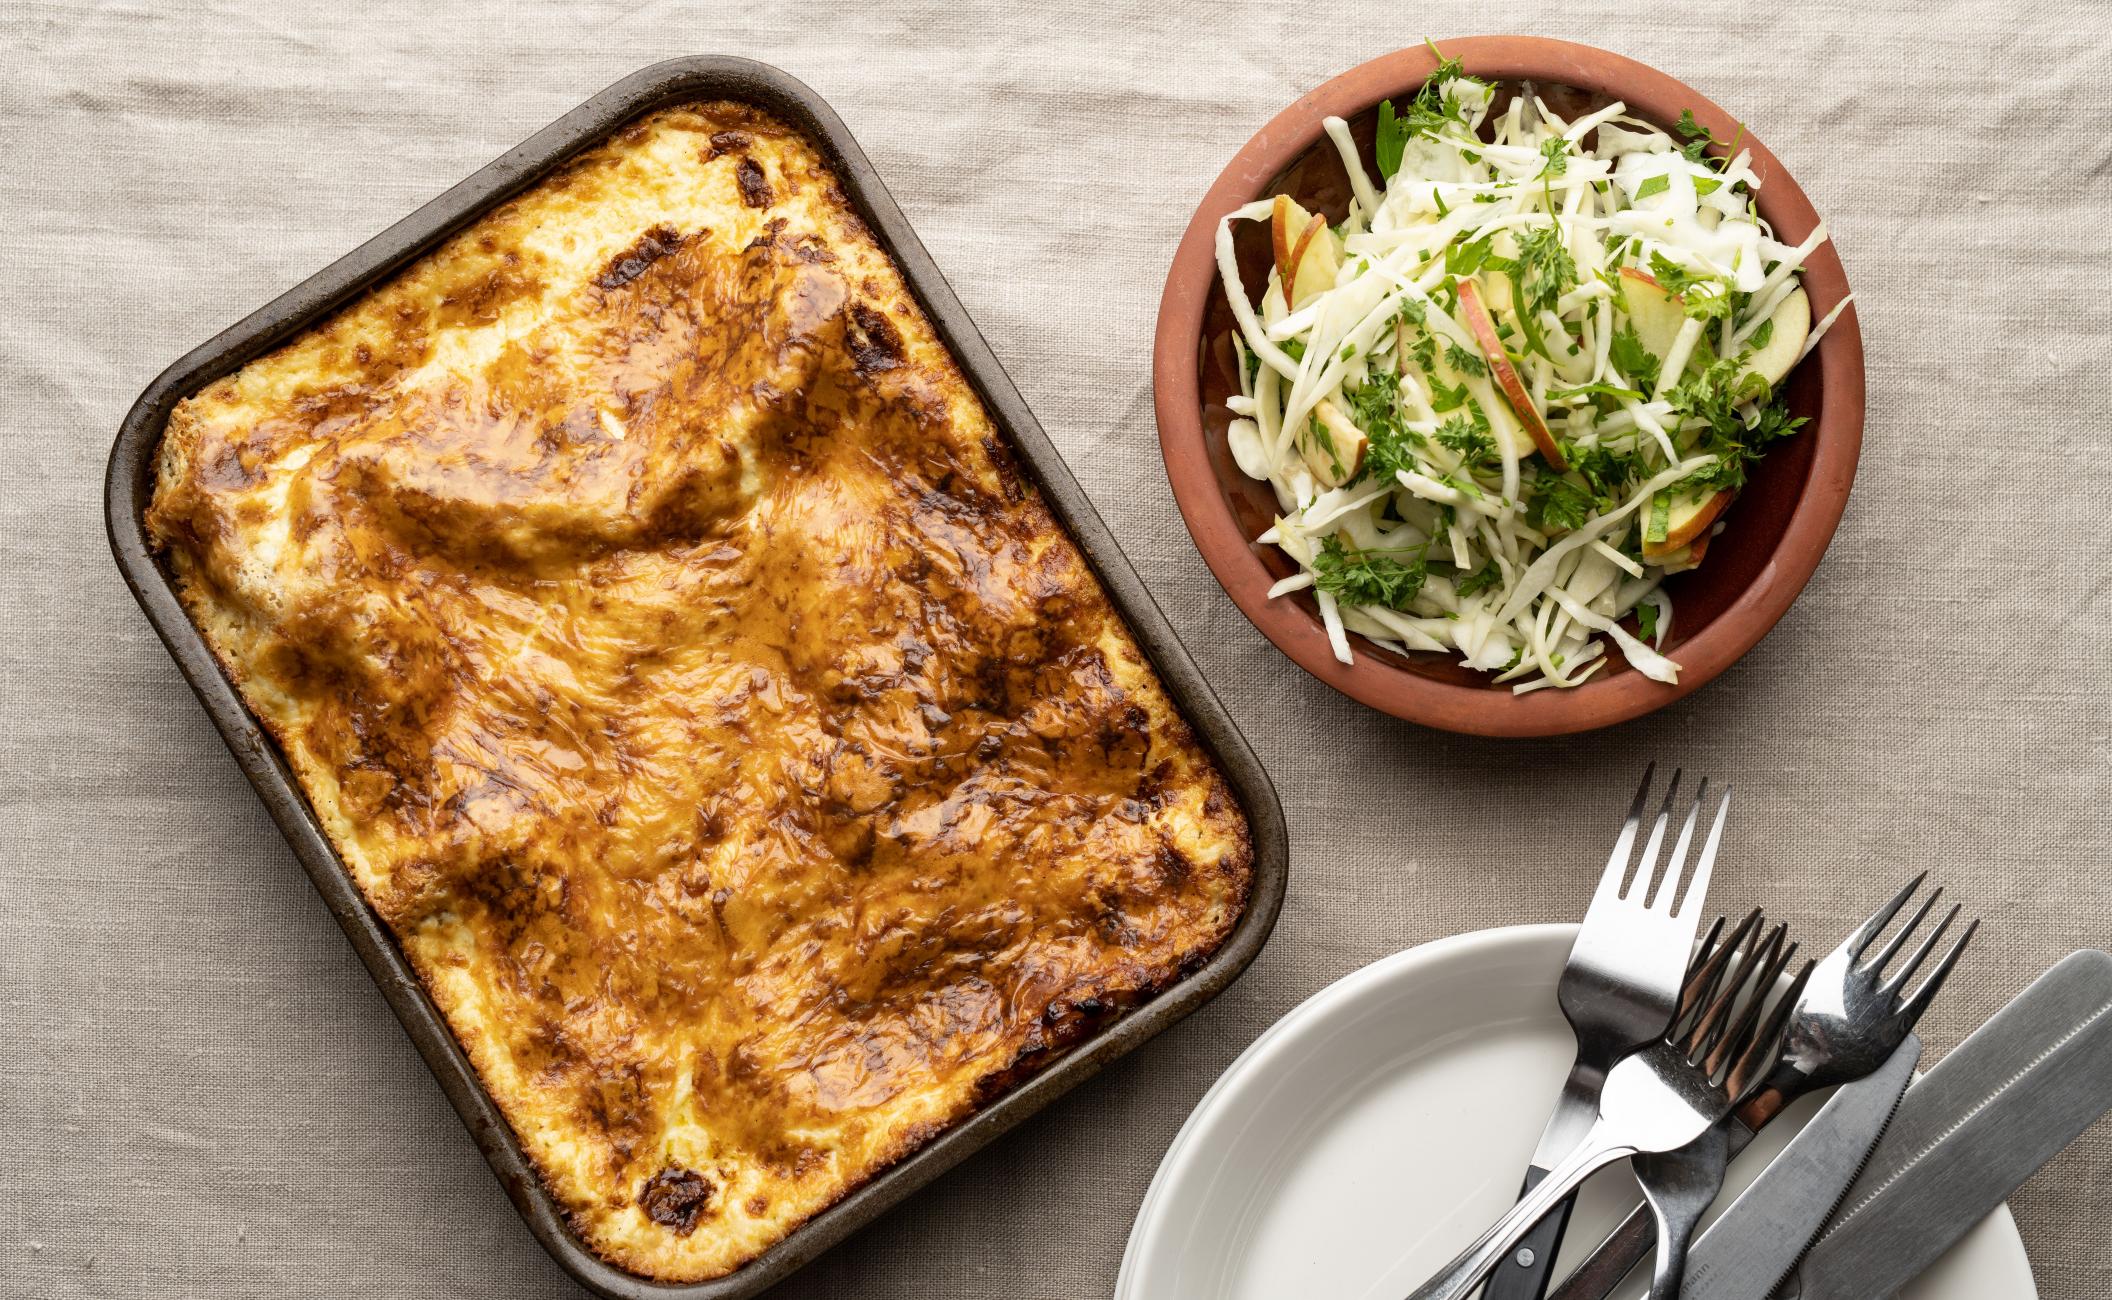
1468,434
1545,269
1632,359
1713,399
1392,141
1560,504
1482,579
1375,407
1646,620
1652,185
1465,362
1357,577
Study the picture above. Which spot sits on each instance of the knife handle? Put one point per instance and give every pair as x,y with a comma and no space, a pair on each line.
1525,1275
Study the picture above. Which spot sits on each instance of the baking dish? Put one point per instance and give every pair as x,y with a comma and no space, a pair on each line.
129,487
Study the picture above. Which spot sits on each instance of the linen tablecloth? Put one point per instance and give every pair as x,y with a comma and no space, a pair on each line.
204,1095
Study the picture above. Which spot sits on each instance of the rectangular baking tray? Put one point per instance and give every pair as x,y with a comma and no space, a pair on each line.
129,486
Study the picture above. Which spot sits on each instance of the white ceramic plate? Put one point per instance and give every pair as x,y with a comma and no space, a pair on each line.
1378,1128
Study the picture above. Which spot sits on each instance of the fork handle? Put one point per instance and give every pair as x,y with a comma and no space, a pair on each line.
1458,1279
1628,1244
1532,1262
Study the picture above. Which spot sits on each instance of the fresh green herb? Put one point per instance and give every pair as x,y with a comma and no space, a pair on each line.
1560,504
1375,407
1546,271
1717,399
1705,185
1318,433
1699,138
1632,359
1607,472
1658,523
1596,390
1464,361
1762,335
1428,114
1411,311
1652,185
1392,141
1468,434
1482,579
1294,349
1357,577
1555,150
1646,620
1466,259
1443,398
1348,350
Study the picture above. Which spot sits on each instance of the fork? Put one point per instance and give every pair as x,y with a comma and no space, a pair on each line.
1619,989
1850,1019
1679,1186
1658,1099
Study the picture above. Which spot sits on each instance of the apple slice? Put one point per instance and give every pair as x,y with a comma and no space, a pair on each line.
1687,518
1475,313
1792,325
1686,557
1307,257
1657,318
1338,456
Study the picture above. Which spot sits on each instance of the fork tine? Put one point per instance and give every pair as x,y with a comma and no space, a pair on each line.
1760,984
1749,983
1892,946
1701,982
1705,867
1703,951
1764,1048
1638,890
1615,876
1897,980
1859,942
1667,891
1919,1002
1722,1000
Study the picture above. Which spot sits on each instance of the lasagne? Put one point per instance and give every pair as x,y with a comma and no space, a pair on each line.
681,664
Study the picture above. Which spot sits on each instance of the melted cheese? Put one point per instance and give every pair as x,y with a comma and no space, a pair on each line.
736,745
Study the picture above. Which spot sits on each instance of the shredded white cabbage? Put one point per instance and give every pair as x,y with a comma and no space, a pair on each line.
1507,395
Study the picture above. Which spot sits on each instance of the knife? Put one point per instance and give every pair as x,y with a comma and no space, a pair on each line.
1784,1209
2011,1097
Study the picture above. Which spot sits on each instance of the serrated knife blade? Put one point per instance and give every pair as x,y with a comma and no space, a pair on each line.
1987,1117
1760,1238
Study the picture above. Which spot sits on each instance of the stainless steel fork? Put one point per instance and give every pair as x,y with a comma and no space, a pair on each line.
1853,1014
1619,990
1659,1099
1679,1186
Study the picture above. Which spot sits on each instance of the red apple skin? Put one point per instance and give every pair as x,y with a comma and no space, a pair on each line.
1483,327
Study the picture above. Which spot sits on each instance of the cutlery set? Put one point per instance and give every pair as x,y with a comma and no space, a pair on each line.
1686,1050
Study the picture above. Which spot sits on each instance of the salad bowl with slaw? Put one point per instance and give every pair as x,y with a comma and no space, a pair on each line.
1509,386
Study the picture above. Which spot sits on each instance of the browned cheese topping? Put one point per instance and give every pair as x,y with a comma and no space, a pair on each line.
733,740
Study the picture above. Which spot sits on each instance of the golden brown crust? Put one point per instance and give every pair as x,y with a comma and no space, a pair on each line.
738,748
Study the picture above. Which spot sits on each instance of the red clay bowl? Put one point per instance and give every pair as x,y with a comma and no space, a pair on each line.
1775,533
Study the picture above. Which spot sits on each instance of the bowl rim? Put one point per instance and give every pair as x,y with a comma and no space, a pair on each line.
1836,431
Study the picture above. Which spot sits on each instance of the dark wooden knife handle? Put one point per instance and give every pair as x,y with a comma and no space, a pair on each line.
1515,1279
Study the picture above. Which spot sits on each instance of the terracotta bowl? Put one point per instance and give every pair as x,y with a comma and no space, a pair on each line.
1775,532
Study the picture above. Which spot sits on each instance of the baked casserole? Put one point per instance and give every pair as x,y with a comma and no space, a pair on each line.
663,633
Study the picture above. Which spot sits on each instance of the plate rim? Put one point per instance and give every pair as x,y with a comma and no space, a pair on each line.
1348,989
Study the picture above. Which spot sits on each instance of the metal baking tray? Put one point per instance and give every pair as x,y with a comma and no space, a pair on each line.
130,485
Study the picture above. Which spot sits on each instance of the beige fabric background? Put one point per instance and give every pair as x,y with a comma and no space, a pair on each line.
204,1096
